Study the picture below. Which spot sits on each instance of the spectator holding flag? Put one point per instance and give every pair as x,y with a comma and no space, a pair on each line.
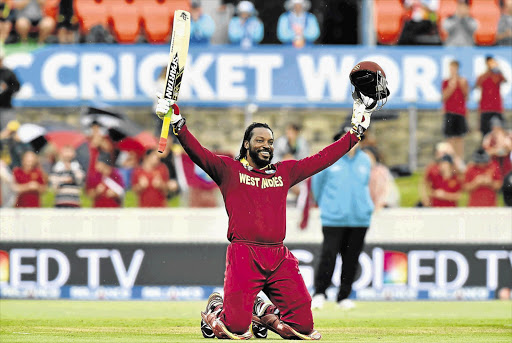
245,29
297,26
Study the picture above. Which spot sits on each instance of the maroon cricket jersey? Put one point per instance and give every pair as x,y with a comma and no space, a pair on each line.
255,199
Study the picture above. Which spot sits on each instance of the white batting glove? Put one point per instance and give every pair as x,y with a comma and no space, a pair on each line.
360,118
164,106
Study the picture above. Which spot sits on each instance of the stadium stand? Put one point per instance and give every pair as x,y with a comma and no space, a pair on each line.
91,13
446,9
125,19
157,17
487,14
51,8
389,16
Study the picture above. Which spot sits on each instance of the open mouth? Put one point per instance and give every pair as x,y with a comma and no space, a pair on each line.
265,153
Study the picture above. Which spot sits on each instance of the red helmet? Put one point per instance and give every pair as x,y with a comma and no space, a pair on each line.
369,79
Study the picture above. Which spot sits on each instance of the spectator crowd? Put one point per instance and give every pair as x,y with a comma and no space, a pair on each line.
68,21
490,167
444,22
238,22
111,172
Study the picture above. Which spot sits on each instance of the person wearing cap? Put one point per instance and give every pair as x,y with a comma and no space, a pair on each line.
29,181
297,26
105,186
343,196
202,25
483,180
491,103
498,144
460,26
246,29
151,181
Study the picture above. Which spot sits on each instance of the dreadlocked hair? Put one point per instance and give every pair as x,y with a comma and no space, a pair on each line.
248,136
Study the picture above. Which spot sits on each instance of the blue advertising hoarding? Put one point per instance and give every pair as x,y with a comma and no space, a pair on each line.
190,271
223,75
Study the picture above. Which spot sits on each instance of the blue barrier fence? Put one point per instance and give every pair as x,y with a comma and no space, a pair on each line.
220,76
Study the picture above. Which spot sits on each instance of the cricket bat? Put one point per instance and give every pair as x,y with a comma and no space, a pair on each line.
175,67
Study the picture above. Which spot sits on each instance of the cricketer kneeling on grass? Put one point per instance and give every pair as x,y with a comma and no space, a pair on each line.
254,192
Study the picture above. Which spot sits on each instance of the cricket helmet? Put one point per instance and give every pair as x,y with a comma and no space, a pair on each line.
369,80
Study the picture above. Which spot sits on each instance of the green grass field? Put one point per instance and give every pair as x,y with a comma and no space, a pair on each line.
408,187
80,321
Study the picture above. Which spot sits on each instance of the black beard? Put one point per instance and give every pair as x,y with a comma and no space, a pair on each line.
260,163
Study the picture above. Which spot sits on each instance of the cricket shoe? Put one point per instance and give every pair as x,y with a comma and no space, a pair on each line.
346,304
258,310
214,304
268,319
317,303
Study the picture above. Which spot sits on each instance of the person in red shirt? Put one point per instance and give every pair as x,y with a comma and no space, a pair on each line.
29,181
254,191
98,142
432,171
483,180
455,93
151,181
498,144
491,104
105,185
444,183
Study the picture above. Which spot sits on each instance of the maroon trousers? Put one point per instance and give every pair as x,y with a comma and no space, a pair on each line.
252,267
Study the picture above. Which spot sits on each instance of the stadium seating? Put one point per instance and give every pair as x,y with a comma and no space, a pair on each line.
91,13
487,14
389,16
125,18
51,8
446,9
158,16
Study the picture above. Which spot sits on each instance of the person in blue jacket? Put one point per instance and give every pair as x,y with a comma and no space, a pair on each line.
343,196
245,29
202,25
297,26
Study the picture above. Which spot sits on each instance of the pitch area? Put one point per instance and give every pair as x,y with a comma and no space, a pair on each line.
84,321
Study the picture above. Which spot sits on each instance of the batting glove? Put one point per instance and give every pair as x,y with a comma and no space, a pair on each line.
360,118
164,106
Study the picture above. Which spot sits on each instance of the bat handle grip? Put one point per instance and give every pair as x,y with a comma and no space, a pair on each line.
164,133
